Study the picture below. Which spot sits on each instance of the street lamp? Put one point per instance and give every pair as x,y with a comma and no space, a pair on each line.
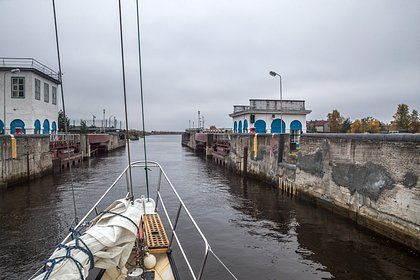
13,71
272,73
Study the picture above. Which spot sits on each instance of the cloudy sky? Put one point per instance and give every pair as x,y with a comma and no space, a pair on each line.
361,57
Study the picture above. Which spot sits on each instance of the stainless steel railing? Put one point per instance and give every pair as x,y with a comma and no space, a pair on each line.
173,225
28,63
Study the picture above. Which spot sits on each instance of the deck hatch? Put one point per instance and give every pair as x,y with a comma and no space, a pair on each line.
156,238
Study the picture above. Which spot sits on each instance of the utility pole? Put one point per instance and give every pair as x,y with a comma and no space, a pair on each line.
103,121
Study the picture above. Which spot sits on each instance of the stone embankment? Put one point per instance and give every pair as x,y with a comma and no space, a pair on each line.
371,179
23,158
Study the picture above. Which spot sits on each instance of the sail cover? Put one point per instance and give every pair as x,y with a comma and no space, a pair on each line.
110,240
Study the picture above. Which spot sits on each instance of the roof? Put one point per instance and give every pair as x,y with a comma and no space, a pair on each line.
271,106
29,64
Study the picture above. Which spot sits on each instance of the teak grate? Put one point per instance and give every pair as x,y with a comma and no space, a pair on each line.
156,238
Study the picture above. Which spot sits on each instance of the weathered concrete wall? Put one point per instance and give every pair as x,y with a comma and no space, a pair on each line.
111,142
372,179
266,156
33,158
188,139
115,141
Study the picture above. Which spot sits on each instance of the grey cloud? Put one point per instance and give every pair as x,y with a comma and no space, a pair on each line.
360,57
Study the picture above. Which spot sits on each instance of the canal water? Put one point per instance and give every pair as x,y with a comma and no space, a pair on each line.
256,230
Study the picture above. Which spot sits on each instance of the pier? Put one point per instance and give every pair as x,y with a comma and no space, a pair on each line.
25,157
370,179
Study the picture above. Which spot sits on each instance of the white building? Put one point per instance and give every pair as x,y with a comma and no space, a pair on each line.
29,95
270,116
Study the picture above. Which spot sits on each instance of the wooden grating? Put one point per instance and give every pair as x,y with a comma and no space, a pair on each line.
156,238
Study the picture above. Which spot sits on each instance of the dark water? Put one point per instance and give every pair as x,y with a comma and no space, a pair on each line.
257,231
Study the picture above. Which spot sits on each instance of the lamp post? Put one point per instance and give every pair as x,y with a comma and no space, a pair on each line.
17,70
272,73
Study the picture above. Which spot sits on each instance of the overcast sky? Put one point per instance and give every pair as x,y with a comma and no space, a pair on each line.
361,57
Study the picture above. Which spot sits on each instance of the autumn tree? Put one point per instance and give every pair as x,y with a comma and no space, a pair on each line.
365,123
374,126
402,118
357,126
414,122
335,121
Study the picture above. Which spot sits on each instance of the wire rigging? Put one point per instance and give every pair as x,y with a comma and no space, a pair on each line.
60,78
130,183
141,96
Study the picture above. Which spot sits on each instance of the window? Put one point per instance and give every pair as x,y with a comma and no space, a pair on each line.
18,87
252,119
54,95
46,92
37,89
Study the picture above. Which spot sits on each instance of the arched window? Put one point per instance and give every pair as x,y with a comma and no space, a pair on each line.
46,127
235,127
260,126
54,127
240,127
295,125
37,127
245,126
278,126
1,127
17,124
295,131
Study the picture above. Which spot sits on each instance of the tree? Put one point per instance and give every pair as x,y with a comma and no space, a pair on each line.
61,119
365,123
310,127
335,121
357,126
414,122
346,126
385,127
83,127
374,126
402,118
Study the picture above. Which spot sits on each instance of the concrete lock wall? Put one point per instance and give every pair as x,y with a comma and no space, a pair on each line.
372,179
33,158
265,156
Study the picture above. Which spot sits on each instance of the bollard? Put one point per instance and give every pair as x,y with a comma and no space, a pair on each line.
13,142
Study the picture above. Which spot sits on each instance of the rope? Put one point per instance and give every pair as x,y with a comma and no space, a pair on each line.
51,263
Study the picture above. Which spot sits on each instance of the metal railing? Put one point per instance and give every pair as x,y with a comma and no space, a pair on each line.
63,137
173,225
28,63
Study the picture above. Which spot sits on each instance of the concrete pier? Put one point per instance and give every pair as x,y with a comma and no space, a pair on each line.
372,179
29,157
25,157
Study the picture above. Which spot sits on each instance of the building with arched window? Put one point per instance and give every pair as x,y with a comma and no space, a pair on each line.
270,116
28,97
